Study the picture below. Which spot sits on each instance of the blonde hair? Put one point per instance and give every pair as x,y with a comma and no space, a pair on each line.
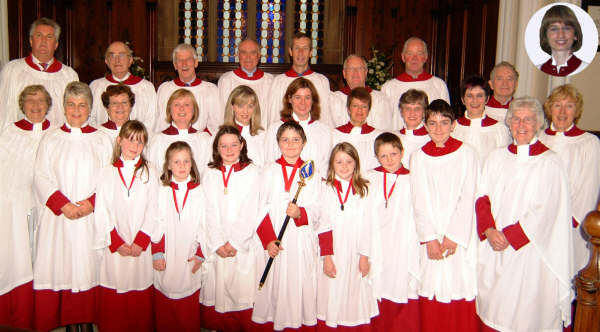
566,91
180,93
136,130
359,184
240,96
31,90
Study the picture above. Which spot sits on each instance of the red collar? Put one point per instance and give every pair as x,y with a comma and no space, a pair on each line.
174,131
239,128
53,68
572,64
338,185
485,122
421,131
346,90
258,74
281,161
237,166
493,102
292,119
26,125
535,149
131,80
347,128
292,73
110,125
119,163
86,130
450,146
190,185
399,171
404,77
574,131
179,82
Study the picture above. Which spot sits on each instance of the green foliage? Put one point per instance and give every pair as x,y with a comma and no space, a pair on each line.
379,69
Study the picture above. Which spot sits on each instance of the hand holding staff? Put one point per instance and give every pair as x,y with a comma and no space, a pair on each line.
306,172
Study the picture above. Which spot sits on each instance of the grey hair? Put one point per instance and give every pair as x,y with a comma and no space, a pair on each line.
78,89
184,47
504,64
411,39
529,103
45,21
352,56
129,51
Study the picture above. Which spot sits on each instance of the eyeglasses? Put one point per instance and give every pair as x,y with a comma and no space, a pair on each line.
295,140
120,56
122,103
564,29
528,120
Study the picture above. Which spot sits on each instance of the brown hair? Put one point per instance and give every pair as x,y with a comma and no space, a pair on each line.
30,90
180,93
165,177
297,84
387,138
472,82
115,90
291,125
300,35
133,129
359,184
217,161
414,96
561,14
361,94
566,91
441,107
243,95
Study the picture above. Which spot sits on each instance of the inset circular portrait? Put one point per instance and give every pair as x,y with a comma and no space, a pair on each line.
561,39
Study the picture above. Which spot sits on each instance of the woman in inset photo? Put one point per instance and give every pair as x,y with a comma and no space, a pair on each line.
561,36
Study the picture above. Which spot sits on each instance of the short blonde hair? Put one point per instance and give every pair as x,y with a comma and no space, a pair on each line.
566,91
240,96
30,90
180,93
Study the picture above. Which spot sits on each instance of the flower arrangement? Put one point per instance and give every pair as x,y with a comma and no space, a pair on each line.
379,69
136,68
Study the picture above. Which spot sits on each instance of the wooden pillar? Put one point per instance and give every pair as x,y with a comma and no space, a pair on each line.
588,280
350,30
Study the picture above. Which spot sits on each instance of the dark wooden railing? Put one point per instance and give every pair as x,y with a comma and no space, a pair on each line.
587,317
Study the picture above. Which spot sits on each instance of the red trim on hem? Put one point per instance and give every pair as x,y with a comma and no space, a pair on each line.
458,315
397,317
16,307
240,320
60,308
322,327
177,314
56,201
122,312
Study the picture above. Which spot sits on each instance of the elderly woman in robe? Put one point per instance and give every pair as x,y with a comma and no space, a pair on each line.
525,263
64,269
580,153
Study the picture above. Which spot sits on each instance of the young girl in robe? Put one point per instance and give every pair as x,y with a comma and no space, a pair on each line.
228,289
125,223
346,298
288,299
397,284
178,255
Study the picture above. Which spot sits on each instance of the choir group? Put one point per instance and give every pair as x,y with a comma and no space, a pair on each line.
138,210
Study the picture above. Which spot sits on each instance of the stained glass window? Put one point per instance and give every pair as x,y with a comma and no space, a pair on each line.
270,30
231,28
193,25
309,14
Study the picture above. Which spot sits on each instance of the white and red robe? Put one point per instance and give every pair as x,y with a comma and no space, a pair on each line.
125,214
363,139
18,147
496,110
200,142
210,109
382,115
19,73
434,87
397,283
527,286
260,82
317,147
412,140
580,153
227,295
483,134
280,85
255,144
348,301
573,66
111,129
182,220
144,108
288,300
443,184
65,271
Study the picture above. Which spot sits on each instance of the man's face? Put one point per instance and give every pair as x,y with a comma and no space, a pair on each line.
300,51
355,72
248,54
185,64
414,57
43,43
504,82
118,59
